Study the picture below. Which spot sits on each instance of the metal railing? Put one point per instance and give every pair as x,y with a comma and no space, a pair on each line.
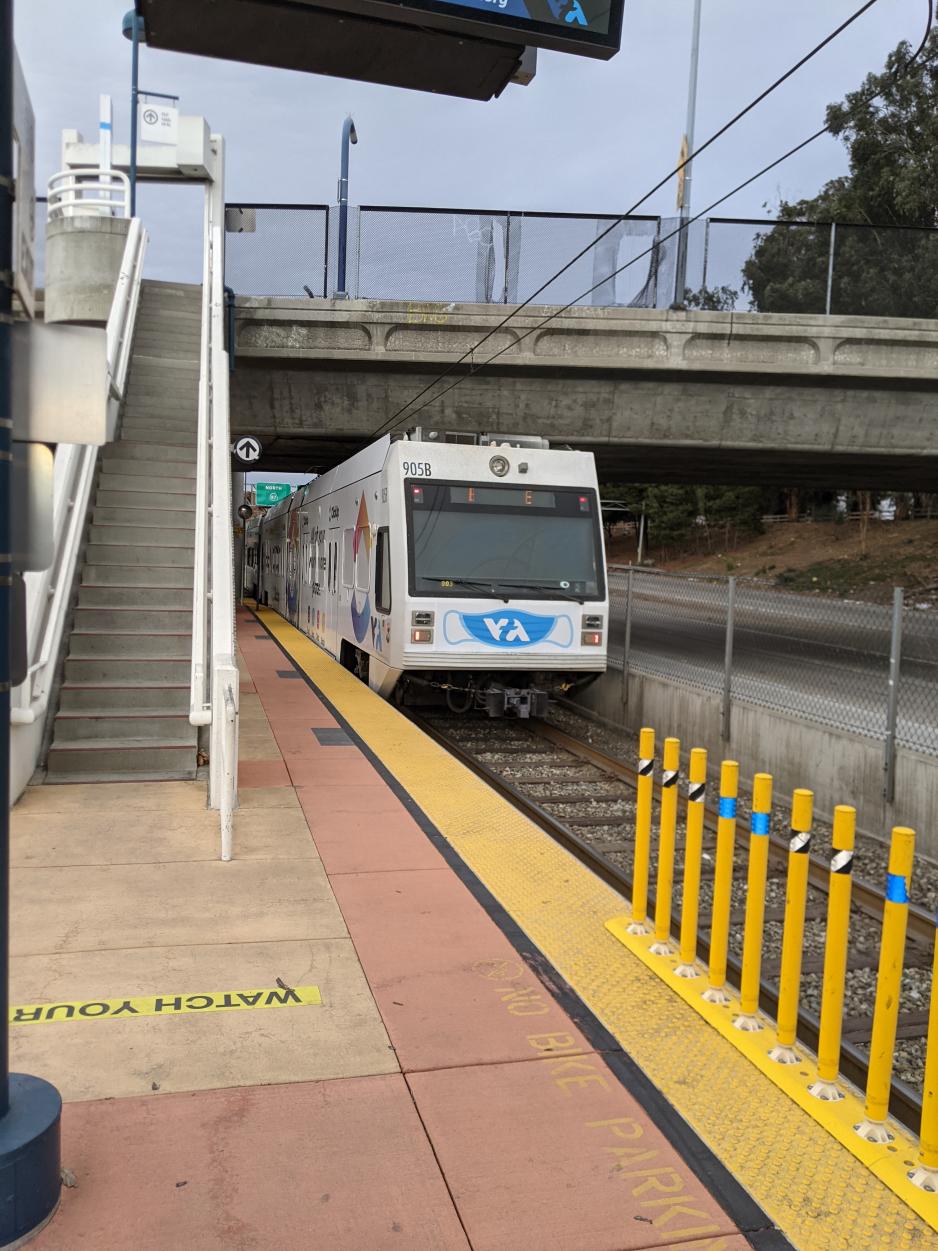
499,256
214,681
869,669
89,192
48,593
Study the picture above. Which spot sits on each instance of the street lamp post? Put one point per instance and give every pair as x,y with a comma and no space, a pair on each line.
348,136
132,29
680,277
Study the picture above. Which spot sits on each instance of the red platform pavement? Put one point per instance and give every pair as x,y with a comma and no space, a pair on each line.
508,1127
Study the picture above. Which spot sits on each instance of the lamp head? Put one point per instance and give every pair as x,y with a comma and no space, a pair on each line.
127,24
352,134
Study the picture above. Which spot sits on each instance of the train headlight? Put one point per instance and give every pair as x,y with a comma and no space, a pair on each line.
592,638
421,618
421,636
592,621
499,466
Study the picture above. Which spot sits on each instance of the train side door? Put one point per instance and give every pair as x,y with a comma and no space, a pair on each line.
332,590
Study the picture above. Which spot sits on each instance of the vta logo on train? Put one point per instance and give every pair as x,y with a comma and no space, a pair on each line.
515,629
361,616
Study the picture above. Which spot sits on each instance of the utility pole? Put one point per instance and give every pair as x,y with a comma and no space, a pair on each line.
684,178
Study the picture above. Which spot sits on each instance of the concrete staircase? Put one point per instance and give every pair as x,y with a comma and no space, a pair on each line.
124,706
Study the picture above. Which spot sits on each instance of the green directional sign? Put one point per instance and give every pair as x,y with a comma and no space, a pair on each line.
266,494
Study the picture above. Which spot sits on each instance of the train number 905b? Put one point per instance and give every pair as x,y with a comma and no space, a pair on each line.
417,469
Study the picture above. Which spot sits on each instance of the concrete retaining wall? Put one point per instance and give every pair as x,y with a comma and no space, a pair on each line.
840,768
83,260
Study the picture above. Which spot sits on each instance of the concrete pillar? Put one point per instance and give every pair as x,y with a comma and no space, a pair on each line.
83,260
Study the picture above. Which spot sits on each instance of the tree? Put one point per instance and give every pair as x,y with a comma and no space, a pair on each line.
890,129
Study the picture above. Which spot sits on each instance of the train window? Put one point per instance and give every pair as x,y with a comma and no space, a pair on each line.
348,558
362,557
383,571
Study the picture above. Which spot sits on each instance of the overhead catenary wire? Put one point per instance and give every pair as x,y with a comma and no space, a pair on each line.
403,413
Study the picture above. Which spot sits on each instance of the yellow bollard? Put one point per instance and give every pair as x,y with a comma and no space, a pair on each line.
835,957
796,895
888,982
644,790
693,841
670,763
748,1018
925,1176
722,884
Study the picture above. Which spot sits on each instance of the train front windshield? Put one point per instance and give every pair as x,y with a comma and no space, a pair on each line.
530,542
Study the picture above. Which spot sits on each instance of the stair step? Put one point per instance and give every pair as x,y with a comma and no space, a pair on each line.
106,514
151,536
172,577
127,759
157,597
114,696
146,554
139,620
89,669
114,488
152,436
85,644
126,450
123,725
132,466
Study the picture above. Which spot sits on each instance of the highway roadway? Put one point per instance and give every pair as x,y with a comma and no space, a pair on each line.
827,660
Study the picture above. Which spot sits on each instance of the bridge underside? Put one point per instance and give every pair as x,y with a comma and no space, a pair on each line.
663,427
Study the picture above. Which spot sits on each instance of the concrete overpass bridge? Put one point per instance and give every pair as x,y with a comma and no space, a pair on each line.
658,396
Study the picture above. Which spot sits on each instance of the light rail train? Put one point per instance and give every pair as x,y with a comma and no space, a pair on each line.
464,568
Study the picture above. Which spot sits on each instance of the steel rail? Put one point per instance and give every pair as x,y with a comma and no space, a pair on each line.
904,1103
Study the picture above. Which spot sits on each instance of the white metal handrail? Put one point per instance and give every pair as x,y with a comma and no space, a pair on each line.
214,679
48,593
89,193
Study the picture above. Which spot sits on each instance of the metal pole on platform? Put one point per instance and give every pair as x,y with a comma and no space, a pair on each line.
30,1108
680,278
627,639
349,135
131,28
7,174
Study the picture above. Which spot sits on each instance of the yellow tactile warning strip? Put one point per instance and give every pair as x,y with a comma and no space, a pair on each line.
816,1191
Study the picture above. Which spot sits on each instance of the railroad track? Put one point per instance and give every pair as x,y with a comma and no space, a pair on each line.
581,796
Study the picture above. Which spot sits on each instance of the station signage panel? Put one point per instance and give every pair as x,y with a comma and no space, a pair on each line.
581,27
266,494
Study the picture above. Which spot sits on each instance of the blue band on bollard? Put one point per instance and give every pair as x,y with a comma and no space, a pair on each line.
760,823
727,806
896,891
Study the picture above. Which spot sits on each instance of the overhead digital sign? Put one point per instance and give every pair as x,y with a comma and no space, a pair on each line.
583,27
469,48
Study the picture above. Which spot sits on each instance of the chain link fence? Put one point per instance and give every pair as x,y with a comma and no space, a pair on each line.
828,661
278,250
482,256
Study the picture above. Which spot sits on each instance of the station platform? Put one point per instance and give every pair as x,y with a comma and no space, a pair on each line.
394,1020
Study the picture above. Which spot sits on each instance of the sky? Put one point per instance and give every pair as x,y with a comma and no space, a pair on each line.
584,136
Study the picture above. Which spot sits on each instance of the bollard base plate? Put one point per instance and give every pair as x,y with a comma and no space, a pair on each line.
717,995
874,1131
661,949
924,1178
783,1054
30,1159
748,1023
686,970
637,927
828,1092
